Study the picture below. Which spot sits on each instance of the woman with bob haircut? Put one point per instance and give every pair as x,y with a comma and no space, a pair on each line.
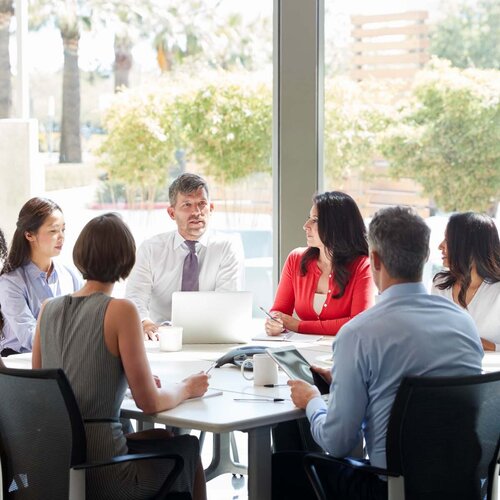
98,341
329,282
471,252
30,275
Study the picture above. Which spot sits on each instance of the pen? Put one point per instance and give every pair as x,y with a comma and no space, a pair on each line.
210,367
267,313
261,400
275,385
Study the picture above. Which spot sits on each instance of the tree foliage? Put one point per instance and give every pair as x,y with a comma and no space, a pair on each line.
469,35
446,137
141,141
228,127
225,126
354,114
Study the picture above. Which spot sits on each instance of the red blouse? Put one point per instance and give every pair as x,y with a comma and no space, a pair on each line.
296,292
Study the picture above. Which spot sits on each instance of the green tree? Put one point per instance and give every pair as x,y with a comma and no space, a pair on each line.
355,112
69,16
201,34
141,141
469,35
6,13
228,126
446,137
225,126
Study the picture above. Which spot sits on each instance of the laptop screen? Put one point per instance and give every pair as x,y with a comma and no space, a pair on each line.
213,317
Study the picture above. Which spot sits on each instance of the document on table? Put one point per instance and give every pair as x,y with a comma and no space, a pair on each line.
288,337
209,394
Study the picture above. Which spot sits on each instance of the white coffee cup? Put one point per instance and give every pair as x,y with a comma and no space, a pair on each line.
265,370
170,338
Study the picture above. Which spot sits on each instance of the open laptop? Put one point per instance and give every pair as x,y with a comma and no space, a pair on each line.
213,317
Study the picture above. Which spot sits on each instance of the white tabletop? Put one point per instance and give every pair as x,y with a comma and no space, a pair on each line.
221,414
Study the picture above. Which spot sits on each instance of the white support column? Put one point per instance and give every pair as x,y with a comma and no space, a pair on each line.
22,88
22,174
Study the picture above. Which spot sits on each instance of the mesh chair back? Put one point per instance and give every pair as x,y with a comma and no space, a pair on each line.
41,434
443,436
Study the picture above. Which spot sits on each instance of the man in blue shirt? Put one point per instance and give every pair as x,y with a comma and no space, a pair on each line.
408,332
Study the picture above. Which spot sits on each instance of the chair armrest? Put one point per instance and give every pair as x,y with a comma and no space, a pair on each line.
167,484
128,458
349,462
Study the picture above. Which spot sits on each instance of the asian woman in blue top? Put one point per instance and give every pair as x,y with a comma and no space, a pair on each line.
30,275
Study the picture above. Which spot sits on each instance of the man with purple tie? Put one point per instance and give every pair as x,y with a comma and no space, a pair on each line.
188,259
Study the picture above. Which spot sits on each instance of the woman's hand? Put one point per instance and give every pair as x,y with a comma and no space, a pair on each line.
274,326
290,323
157,381
196,385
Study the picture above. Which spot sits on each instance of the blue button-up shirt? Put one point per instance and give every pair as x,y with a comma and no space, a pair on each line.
22,293
408,332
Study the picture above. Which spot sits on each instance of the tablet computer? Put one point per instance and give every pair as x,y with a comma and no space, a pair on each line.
296,367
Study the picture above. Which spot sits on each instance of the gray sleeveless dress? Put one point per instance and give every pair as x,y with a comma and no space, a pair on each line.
72,338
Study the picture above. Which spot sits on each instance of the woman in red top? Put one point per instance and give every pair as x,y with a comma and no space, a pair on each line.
329,282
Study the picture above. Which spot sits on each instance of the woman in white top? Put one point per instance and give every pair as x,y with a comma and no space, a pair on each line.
471,252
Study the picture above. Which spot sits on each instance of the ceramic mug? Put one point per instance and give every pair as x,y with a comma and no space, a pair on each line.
170,338
265,370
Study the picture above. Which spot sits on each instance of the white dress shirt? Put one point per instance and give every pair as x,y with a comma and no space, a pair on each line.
158,271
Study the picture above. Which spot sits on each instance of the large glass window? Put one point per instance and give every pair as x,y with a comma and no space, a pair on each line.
410,107
162,89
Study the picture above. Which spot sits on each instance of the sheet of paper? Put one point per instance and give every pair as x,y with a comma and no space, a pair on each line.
288,337
209,394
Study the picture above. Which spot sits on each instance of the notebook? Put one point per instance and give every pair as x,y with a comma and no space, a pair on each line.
213,317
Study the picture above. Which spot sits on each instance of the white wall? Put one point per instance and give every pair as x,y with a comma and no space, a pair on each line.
21,172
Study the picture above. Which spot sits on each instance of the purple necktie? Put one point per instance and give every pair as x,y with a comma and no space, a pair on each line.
190,269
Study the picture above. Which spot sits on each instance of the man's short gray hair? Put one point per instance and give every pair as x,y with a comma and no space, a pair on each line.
401,238
186,183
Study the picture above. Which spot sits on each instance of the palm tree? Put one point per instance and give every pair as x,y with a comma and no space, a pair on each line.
67,16
70,149
6,13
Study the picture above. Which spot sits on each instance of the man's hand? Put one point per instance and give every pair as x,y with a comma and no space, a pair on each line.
324,372
302,393
150,330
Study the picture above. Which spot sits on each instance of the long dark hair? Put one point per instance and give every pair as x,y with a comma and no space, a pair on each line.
342,232
3,254
471,238
31,217
3,247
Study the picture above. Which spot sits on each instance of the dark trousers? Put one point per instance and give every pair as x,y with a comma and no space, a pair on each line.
290,482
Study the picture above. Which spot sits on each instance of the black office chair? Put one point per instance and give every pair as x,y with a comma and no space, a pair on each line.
42,439
442,441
